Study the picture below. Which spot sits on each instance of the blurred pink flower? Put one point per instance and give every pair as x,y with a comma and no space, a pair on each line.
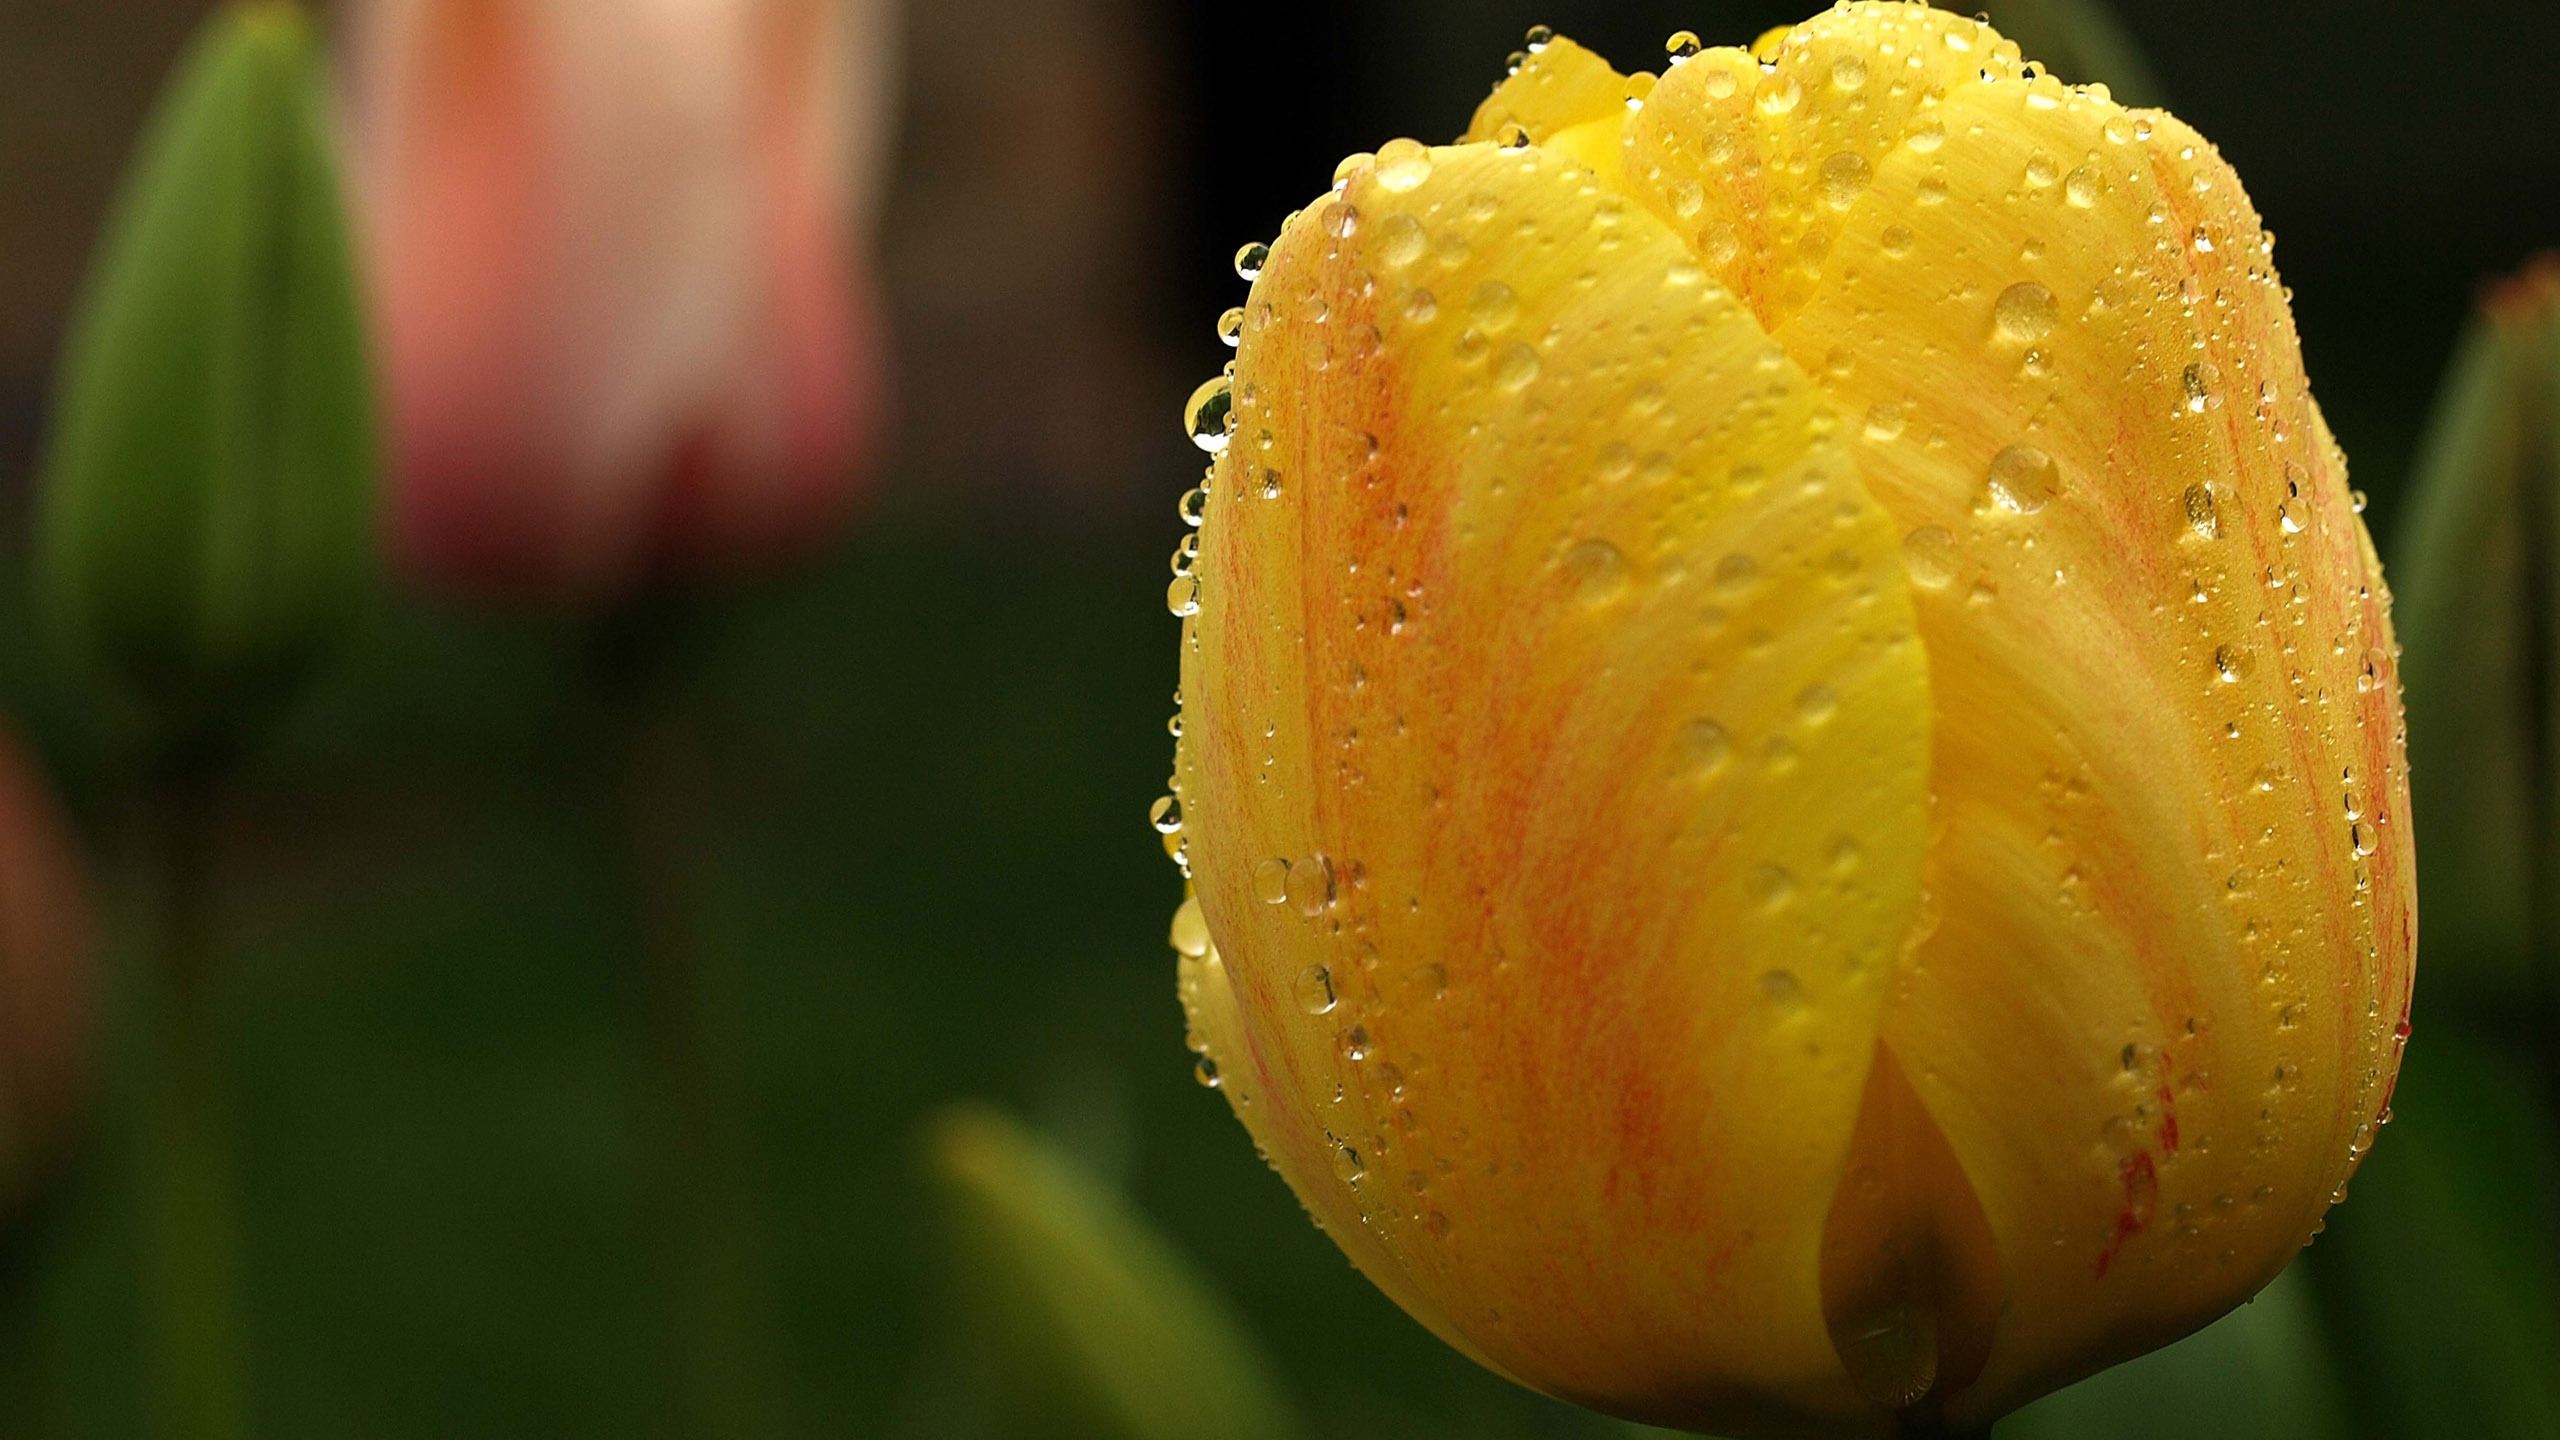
620,256
47,981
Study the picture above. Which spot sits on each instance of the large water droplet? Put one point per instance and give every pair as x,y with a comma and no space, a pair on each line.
2023,478
1309,887
1891,1353
1315,990
1703,748
1403,164
1517,366
2202,514
2233,663
1271,881
1190,932
1208,417
1250,258
1401,240
1929,557
1493,307
2026,311
1844,179
1596,571
1165,814
1683,45
1182,597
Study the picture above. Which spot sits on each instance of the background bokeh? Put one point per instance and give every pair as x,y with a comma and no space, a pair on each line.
932,753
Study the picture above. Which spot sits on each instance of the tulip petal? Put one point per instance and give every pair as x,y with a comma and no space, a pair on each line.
2161,1006
1552,773
1558,86
1759,165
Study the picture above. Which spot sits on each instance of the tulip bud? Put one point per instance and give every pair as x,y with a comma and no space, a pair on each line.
207,522
629,325
2480,598
45,979
1790,748
1085,1321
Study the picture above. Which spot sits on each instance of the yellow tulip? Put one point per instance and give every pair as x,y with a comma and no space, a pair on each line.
1790,757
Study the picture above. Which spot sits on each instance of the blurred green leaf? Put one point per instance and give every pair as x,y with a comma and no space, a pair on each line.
2262,1372
2082,41
1078,1318
207,516
2473,572
2444,1267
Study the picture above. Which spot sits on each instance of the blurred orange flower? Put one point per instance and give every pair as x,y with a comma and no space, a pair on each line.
619,259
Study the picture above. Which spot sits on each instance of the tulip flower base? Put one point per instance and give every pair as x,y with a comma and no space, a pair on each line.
1790,772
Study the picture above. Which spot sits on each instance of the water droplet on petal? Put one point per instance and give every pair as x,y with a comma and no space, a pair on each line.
1165,814
1703,748
1929,557
1844,179
1494,307
2202,514
1315,990
2023,478
1683,45
1190,932
1250,258
1403,164
2025,311
1208,417
1596,570
1271,881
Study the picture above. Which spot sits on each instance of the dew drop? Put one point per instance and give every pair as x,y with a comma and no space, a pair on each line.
1929,557
1271,881
1783,991
1403,164
1517,366
1772,886
1596,571
1817,704
1340,219
1165,814
1779,94
1896,240
2233,663
1844,179
1206,1072
1209,417
1250,258
1309,885
1703,748
1494,307
2023,478
1849,72
1182,597
1346,1164
2025,311
1190,931
2080,188
1231,326
1401,240
1315,990
1683,45
2202,514
1194,503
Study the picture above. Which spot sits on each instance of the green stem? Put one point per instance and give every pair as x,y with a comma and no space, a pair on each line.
190,1209
726,1373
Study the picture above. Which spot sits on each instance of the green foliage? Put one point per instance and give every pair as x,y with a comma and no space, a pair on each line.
2082,42
2475,597
207,516
2444,1269
2262,1372
1081,1320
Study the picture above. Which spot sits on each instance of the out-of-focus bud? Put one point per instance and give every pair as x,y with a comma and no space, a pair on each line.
46,979
1080,1320
2479,570
1790,750
619,255
207,522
